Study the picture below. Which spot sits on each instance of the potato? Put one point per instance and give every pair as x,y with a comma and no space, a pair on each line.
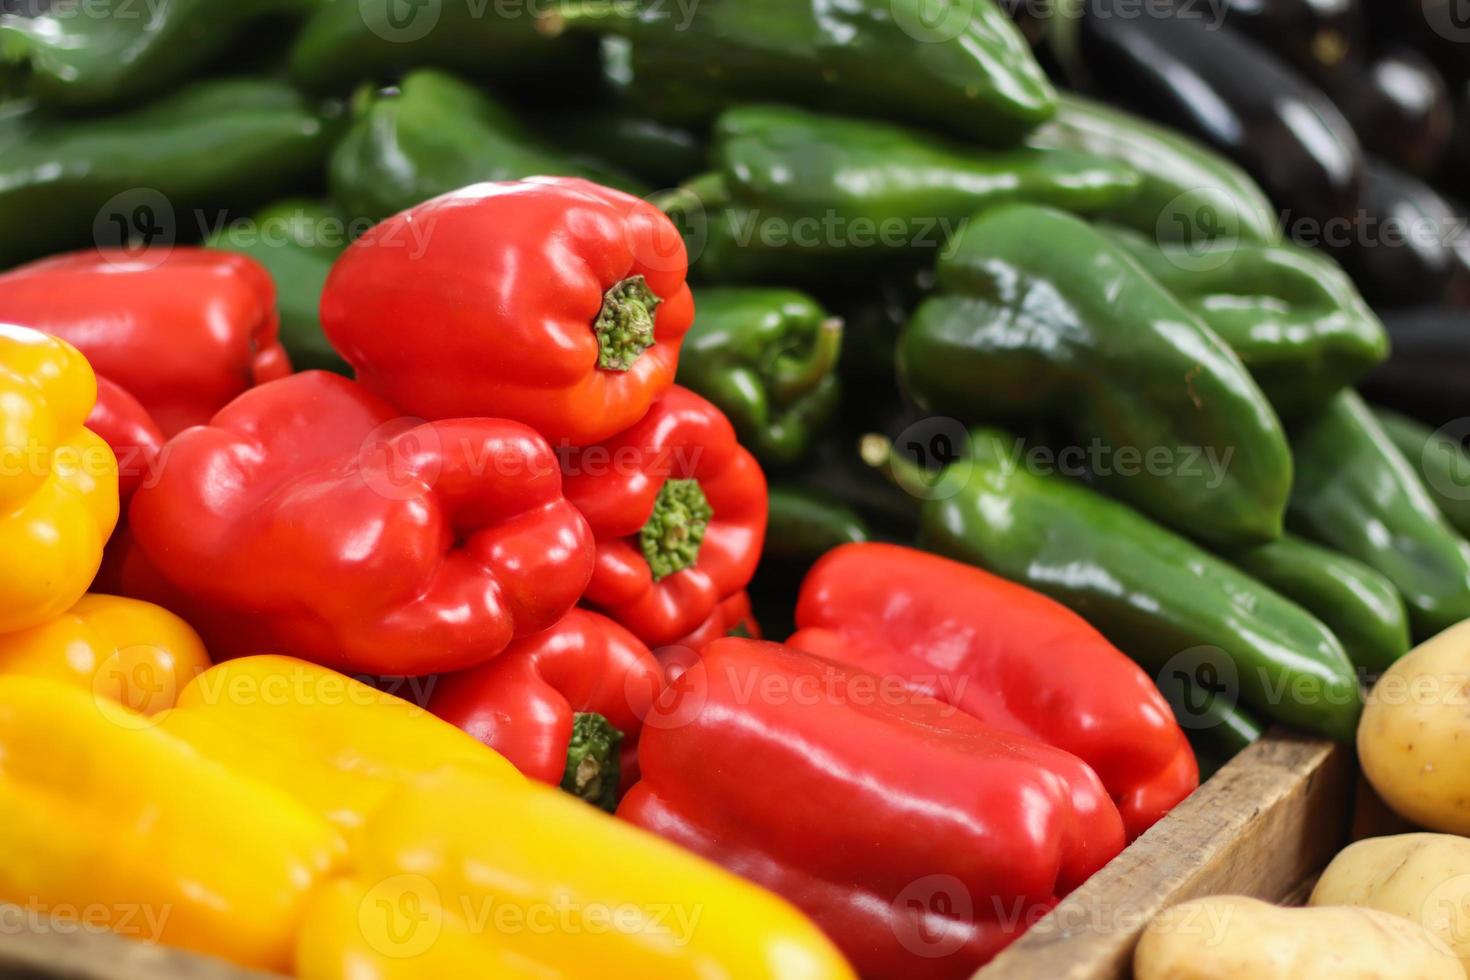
1234,938
1414,737
1422,877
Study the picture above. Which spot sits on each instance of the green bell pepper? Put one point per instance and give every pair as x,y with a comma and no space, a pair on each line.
970,72
653,151
1159,597
1293,315
1041,317
767,358
350,41
1440,461
1360,606
804,524
432,134
297,241
141,174
799,194
1357,494
92,53
1187,191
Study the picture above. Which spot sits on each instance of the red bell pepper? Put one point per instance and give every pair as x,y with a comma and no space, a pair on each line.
565,706
125,425
678,508
1011,657
309,519
551,301
921,840
182,330
732,617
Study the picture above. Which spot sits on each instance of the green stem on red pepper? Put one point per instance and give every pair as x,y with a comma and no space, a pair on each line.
624,325
593,767
670,540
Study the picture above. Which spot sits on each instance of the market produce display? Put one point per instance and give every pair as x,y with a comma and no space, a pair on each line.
751,488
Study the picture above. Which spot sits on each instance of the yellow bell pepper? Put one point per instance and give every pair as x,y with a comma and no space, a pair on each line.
58,480
131,652
335,743
462,876
129,826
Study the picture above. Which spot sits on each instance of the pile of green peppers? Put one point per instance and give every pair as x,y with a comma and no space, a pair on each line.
942,301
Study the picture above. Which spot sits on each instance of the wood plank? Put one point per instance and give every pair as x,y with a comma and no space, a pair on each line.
1263,826
32,949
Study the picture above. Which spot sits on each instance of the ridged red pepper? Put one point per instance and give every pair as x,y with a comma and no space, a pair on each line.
125,425
1011,657
552,301
678,508
565,706
920,840
309,519
732,617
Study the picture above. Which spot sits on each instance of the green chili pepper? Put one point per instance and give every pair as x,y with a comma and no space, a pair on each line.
106,52
1161,599
1041,317
797,194
1360,606
351,41
1292,315
655,152
140,174
970,72
1357,494
805,523
1441,462
297,241
1187,191
432,134
767,358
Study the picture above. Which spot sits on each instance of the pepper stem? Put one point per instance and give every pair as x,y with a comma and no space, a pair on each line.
877,451
624,325
792,377
593,766
670,540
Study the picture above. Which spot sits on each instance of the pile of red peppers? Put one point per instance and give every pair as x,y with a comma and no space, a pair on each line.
513,496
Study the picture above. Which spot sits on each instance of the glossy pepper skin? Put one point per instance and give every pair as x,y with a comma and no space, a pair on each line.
130,432
135,653
432,133
343,44
972,74
1187,191
334,744
799,194
440,852
1042,317
104,811
144,174
1290,313
58,494
1440,461
1148,590
182,330
1224,89
1357,494
113,52
767,358
658,153
678,509
805,523
564,705
732,617
858,794
296,240
1013,658
310,517
1359,605
580,293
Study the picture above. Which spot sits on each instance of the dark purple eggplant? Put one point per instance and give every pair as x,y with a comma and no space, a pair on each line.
1410,246
1323,39
1439,28
1400,106
1425,376
1454,168
1226,90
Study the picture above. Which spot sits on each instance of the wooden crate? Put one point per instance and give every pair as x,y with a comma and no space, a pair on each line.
1264,825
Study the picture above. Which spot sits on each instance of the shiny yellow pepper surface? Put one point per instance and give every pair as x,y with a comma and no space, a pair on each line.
131,652
461,875
58,480
118,822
